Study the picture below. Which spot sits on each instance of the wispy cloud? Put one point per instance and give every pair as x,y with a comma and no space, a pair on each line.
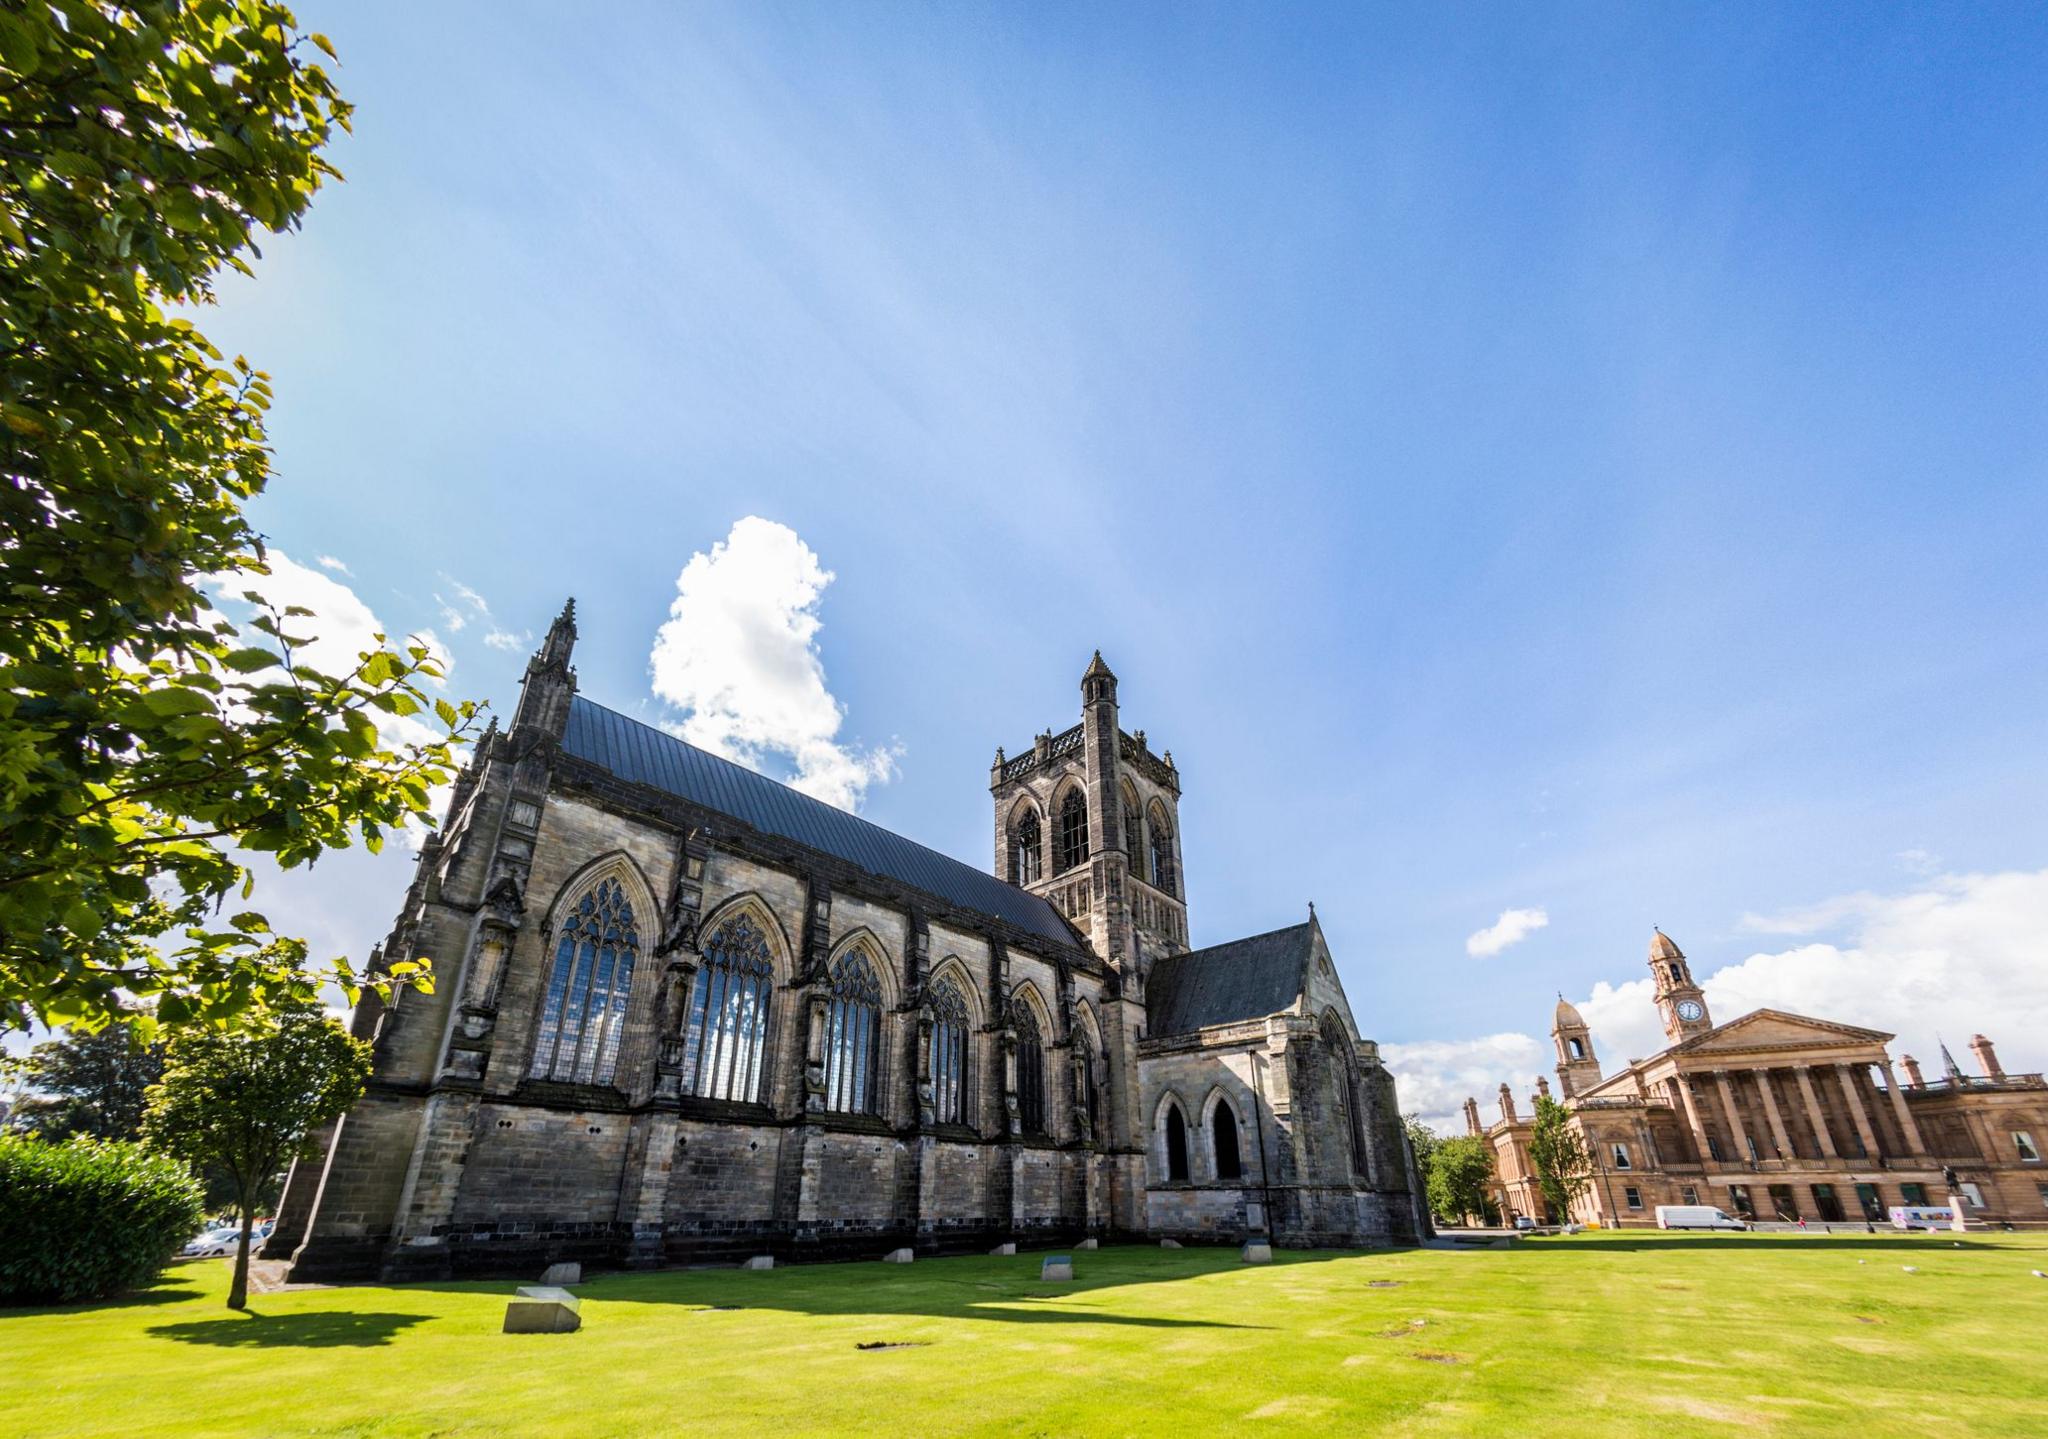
466,605
1513,926
739,656
509,640
329,562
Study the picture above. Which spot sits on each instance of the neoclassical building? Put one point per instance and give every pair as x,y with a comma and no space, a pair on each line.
686,1013
1776,1117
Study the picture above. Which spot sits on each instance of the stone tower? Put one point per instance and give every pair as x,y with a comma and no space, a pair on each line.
1090,818
1578,1070
1682,1003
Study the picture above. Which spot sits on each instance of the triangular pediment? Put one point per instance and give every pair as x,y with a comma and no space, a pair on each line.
1779,1029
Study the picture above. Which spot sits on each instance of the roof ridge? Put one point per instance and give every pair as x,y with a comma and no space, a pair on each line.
1227,943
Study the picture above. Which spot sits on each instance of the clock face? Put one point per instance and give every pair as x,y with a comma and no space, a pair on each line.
1689,1009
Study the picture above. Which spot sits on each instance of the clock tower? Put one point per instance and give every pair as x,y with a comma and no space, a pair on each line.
1679,1000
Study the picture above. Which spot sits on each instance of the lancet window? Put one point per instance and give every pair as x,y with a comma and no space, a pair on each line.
727,1028
585,1005
853,1026
949,1053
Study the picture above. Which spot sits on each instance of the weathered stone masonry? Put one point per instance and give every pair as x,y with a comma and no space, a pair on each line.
930,1057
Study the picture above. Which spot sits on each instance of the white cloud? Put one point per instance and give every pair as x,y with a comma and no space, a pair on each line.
341,628
329,562
1953,957
739,656
1434,1077
1513,926
466,606
508,640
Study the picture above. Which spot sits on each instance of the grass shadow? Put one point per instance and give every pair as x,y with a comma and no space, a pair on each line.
162,1291
333,1330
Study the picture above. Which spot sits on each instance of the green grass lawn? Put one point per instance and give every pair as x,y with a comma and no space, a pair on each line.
1592,1335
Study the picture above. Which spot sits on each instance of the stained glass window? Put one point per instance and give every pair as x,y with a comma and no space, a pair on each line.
727,1028
1073,830
949,1053
585,1007
1030,1073
853,1026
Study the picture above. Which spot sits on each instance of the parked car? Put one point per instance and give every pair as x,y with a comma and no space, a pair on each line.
212,1244
1523,1221
1696,1216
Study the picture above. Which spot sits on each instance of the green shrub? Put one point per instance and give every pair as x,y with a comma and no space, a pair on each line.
89,1217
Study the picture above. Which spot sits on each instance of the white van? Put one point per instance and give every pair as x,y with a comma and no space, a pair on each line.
1695,1216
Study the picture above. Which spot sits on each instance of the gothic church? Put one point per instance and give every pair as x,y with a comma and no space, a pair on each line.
684,1013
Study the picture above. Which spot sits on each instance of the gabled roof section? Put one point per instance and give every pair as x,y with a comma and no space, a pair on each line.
1761,1028
1226,983
642,754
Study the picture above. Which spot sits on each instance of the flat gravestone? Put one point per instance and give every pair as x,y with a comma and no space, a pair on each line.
563,1274
1086,1244
1256,1251
760,1261
543,1309
1057,1266
1169,1244
898,1256
1004,1249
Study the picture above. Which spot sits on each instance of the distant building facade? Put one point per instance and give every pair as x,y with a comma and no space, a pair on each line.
1777,1116
684,1013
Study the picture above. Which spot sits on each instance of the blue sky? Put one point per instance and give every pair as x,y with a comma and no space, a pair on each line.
1586,459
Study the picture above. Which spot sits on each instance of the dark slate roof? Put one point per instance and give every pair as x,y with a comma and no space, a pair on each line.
1244,979
645,755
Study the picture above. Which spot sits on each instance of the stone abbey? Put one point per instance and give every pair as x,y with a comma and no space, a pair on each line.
1778,1117
685,1013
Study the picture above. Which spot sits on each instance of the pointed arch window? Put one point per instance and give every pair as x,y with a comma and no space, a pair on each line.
949,1053
1223,1130
1073,833
1176,1146
853,1027
728,1023
1134,830
585,1005
1030,1072
1084,1077
1162,855
1027,850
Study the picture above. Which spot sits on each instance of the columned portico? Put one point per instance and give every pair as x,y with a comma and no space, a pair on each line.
1905,1115
1736,1134
1846,1073
1777,1121
1814,1114
1692,1119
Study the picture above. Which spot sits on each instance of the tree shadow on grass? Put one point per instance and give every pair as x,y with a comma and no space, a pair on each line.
162,1291
1000,1289
343,1330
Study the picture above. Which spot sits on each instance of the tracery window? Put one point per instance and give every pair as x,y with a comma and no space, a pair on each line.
1162,856
728,1023
1030,1072
585,1006
949,1053
1027,850
1223,1130
1073,835
1176,1146
853,1037
1085,1077
1134,826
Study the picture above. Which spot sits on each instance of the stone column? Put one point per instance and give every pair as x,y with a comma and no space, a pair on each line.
1692,1119
1739,1136
1778,1135
1905,1115
1846,1072
1814,1111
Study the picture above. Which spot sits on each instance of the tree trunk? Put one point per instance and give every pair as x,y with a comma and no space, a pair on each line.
238,1292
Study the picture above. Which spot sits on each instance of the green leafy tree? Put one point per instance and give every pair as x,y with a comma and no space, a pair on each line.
1563,1167
92,1084
1422,1140
88,1217
245,1099
1459,1180
145,743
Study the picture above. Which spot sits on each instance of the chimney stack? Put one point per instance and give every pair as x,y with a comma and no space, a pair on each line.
1987,1057
1507,1104
1912,1067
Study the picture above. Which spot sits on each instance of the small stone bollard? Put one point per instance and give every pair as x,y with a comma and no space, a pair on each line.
543,1309
1169,1244
898,1256
1256,1251
560,1274
1910,1268
760,1261
2038,1274
1057,1266
1086,1244
1004,1249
